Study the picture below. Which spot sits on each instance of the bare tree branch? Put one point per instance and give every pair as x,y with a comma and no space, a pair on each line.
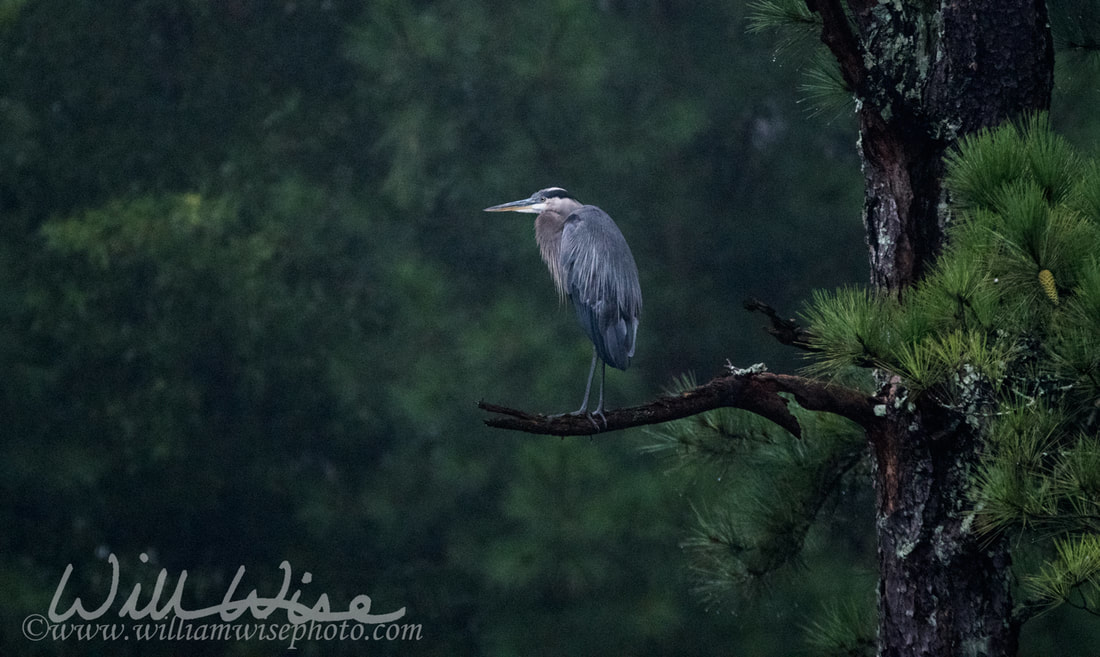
786,331
837,35
750,390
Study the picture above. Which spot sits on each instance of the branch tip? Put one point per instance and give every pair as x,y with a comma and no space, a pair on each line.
786,331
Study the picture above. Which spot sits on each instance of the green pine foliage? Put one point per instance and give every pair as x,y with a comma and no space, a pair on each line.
774,503
1022,240
823,86
777,486
791,15
850,329
844,630
1073,575
1006,332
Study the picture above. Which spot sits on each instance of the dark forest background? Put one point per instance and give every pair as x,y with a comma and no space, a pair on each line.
249,301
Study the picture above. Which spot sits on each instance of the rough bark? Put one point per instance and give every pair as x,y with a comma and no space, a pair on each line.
943,589
925,74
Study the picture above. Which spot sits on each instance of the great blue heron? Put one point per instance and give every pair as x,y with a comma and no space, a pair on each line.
592,266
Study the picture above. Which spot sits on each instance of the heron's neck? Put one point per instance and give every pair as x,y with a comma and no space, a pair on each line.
548,227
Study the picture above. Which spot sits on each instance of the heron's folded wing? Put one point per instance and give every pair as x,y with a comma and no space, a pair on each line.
602,282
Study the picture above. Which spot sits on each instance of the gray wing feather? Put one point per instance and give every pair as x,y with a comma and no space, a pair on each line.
601,280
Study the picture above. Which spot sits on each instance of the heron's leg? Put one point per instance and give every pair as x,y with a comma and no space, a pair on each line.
599,406
583,410
588,387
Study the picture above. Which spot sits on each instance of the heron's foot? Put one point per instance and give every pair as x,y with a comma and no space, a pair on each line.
592,417
584,412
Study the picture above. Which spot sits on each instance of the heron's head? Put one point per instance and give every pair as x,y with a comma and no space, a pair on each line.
544,199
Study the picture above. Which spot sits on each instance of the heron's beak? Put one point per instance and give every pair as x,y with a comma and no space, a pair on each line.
533,205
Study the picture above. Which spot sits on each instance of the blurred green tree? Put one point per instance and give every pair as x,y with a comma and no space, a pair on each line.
250,299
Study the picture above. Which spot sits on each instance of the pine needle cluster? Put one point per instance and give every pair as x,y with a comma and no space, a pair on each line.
799,31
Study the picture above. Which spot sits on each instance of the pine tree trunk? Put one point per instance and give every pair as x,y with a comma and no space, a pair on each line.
942,589
930,75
